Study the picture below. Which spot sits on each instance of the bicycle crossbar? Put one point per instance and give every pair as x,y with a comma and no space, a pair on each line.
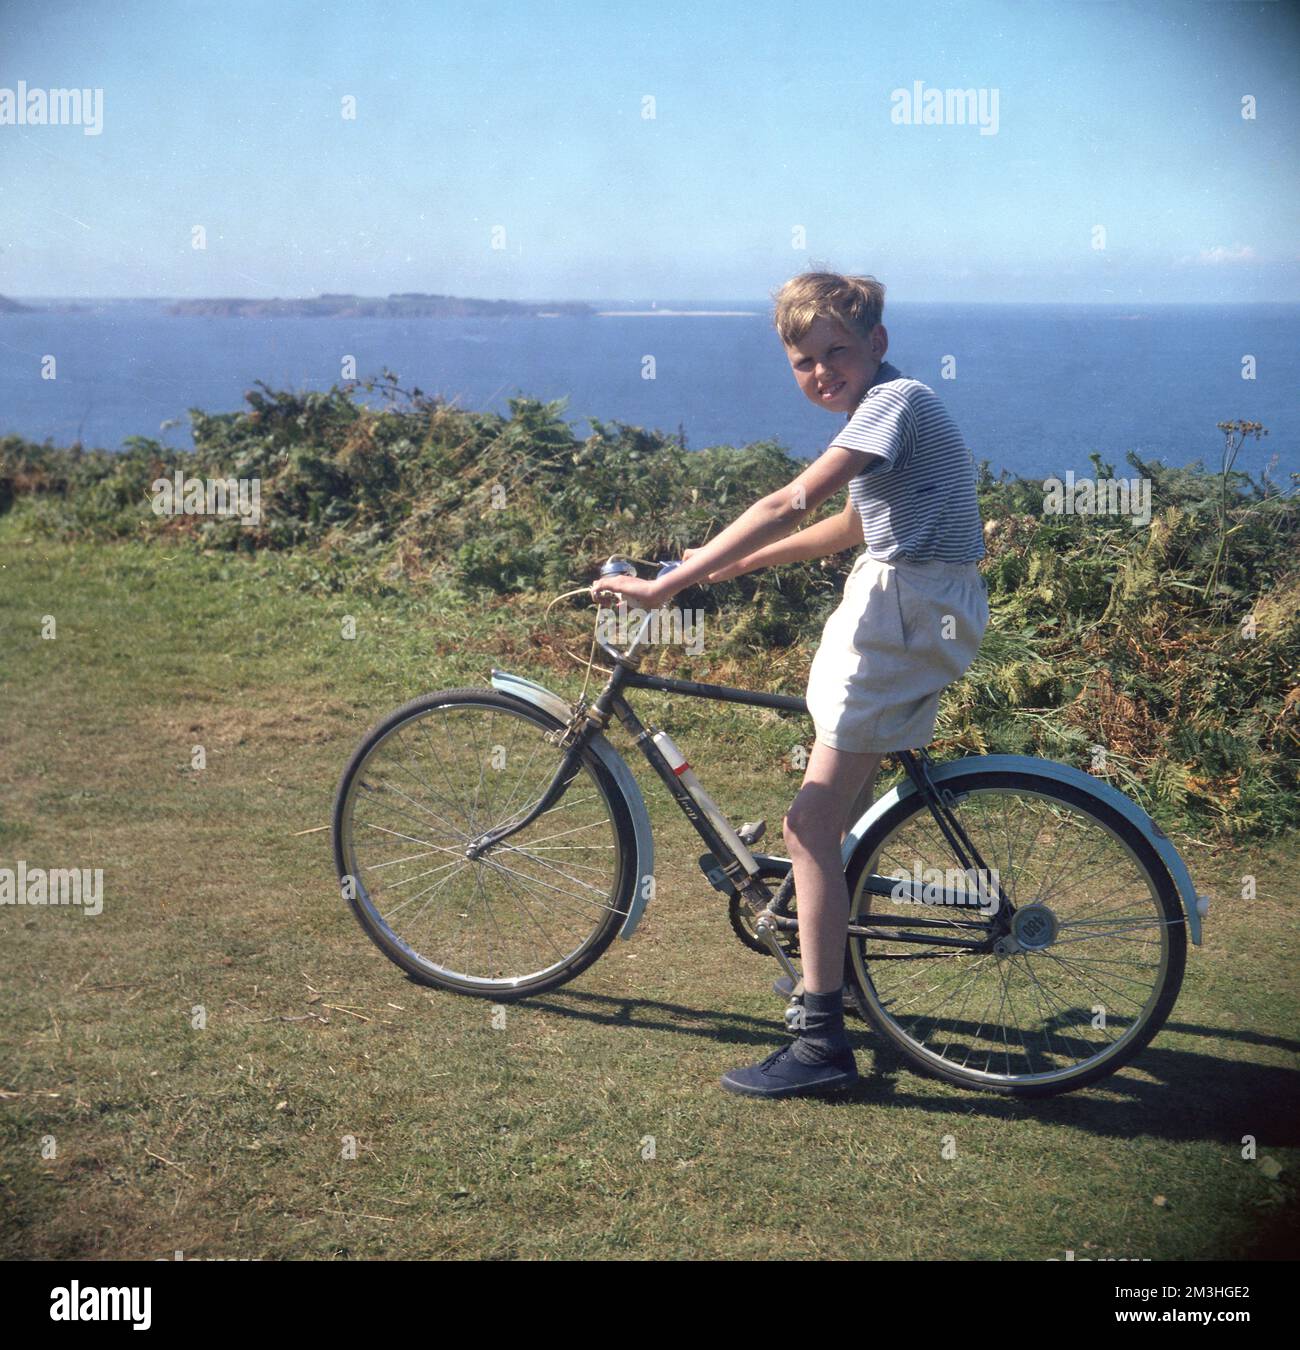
722,692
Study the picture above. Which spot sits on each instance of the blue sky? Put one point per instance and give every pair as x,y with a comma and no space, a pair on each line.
768,117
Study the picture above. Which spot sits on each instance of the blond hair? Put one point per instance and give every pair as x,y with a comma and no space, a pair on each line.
853,302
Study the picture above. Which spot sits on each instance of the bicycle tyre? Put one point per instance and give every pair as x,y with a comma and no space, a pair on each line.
423,967
1168,917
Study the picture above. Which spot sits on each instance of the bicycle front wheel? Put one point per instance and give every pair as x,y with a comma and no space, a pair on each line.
532,911
1054,990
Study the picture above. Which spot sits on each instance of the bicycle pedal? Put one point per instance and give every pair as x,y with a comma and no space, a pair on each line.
783,987
752,831
786,989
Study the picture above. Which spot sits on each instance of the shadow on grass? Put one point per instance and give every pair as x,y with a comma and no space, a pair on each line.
1195,1096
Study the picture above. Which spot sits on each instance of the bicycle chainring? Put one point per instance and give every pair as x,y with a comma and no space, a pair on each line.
744,930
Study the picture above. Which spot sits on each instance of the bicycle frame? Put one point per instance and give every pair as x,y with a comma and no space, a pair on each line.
585,723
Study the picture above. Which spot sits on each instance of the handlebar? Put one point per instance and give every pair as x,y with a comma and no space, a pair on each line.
615,566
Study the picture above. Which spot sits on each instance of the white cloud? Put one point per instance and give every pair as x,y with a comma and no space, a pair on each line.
1213,257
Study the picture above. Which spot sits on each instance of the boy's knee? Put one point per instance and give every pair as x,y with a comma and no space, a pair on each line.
807,826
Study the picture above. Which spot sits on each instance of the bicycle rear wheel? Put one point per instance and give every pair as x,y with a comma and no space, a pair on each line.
527,915
1059,988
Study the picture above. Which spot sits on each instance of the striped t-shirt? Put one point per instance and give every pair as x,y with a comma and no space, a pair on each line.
917,501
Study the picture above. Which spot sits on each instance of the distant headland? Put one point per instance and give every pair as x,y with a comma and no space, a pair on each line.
345,305
407,305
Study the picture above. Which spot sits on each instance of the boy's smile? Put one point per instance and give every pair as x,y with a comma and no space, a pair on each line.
834,366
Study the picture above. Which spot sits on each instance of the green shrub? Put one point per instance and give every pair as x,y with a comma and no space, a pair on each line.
1103,634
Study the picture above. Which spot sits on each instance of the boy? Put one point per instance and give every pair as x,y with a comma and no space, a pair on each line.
914,610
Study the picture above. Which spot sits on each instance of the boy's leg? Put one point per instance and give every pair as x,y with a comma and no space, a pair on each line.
837,785
866,795
820,1058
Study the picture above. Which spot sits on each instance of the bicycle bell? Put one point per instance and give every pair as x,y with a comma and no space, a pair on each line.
617,567
666,567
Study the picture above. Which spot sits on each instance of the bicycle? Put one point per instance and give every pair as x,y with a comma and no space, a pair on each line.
533,841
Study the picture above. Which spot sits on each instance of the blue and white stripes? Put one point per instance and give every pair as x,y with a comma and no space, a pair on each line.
916,496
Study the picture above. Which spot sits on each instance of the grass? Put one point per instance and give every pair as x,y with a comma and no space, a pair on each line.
590,1125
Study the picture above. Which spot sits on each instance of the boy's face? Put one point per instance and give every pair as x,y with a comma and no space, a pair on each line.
834,366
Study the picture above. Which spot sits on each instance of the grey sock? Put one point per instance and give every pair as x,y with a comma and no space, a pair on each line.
823,1037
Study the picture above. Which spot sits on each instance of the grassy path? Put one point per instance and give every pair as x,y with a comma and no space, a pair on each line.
533,1140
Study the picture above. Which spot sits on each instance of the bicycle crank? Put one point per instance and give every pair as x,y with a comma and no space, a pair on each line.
741,914
768,933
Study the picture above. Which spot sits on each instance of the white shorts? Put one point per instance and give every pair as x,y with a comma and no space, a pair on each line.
903,632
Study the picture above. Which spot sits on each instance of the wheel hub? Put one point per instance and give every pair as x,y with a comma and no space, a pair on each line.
1034,927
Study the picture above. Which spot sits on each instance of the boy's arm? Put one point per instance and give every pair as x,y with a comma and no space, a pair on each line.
833,535
773,517
767,520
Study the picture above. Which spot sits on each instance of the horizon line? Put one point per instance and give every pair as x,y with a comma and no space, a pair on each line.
552,299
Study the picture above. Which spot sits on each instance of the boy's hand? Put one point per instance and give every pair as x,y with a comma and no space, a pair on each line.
635,591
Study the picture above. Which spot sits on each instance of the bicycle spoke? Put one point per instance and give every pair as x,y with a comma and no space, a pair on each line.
530,903
1023,1011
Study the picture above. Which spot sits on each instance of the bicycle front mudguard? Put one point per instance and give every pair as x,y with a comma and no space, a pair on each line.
1194,906
541,697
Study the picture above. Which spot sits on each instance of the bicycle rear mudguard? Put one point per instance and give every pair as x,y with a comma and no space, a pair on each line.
538,695
1195,907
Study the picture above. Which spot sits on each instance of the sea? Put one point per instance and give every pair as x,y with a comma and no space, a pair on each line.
1035,389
